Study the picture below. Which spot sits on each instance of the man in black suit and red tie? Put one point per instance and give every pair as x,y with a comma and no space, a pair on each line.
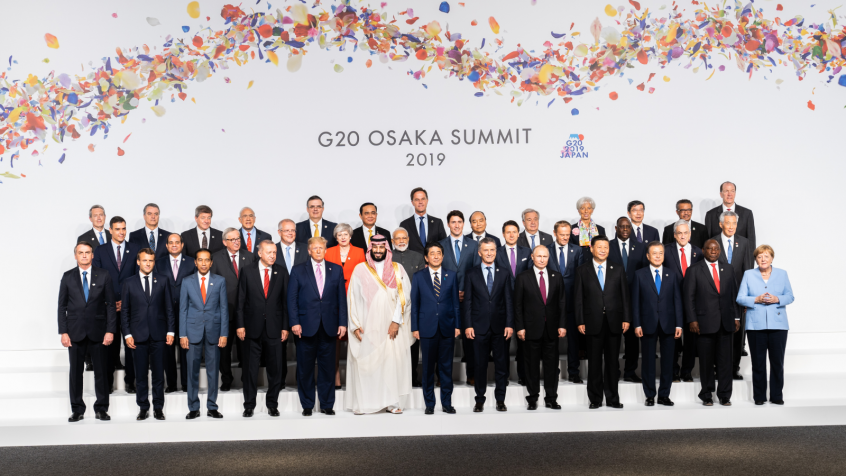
421,227
698,231
745,218
202,235
87,324
679,257
710,291
250,235
150,235
642,232
603,313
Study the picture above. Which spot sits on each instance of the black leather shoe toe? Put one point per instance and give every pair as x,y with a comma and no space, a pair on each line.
450,409
102,416
214,414
665,401
170,389
616,405
274,412
777,402
594,406
429,411
225,387
500,407
725,402
708,402
76,417
143,415
327,411
192,415
158,415
247,413
478,408
533,406
552,405
307,411
650,402
759,402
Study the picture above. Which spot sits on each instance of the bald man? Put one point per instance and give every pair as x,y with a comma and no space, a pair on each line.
250,235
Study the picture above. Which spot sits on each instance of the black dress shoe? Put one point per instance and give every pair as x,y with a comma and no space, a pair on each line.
185,389
327,411
471,381
676,378
650,402
665,401
192,415
111,391
158,415
214,414
744,353
520,382
143,415
478,408
777,402
274,412
759,402
170,389
533,406
102,416
130,389
616,405
429,411
634,379
725,402
307,411
416,385
552,405
76,417
736,376
248,413
450,409
594,406
338,387
89,367
576,379
226,387
708,402
500,407
119,366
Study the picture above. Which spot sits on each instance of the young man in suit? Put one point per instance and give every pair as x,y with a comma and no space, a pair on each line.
289,253
118,258
250,235
435,322
603,313
565,257
698,231
531,237
745,218
361,236
87,324
228,263
315,225
203,323
540,317
514,259
488,317
421,227
478,226
150,235
149,324
98,234
642,232
317,305
626,251
710,291
679,257
657,313
174,267
202,235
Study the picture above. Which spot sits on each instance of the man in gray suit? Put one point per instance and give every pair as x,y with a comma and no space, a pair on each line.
203,322
289,253
412,262
228,263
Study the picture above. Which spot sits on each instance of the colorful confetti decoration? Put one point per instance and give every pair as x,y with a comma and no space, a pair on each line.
52,41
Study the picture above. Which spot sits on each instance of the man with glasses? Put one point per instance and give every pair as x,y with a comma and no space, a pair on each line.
698,231
316,225
250,235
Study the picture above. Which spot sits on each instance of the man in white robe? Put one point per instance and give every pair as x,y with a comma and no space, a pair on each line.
379,350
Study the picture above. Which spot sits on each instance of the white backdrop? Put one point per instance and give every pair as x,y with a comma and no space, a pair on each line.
680,142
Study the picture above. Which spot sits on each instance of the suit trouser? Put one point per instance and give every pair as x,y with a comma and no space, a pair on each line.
470,356
691,348
170,363
546,349
226,376
274,350
762,343
520,359
437,356
415,360
573,336
714,349
737,343
212,352
149,356
99,355
631,353
483,344
647,366
320,349
114,359
603,379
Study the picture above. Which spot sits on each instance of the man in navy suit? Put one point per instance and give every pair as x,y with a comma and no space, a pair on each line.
202,235
250,235
479,225
174,267
422,228
460,254
289,253
627,252
531,236
678,257
315,225
514,259
150,235
317,306
87,324
488,321
203,322
565,257
435,322
118,257
98,234
745,217
642,232
657,317
698,231
148,325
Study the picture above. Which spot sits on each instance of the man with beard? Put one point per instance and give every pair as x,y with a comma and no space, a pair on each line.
379,358
412,262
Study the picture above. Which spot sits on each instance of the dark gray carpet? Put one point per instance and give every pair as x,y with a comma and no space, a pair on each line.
747,451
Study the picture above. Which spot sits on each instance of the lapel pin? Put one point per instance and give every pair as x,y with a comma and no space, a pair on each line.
666,275
611,267
721,269
94,284
92,239
211,284
274,272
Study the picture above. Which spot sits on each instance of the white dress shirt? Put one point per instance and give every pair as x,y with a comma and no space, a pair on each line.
559,250
122,245
237,257
261,268
439,272
284,248
379,266
545,272
726,240
604,268
367,233
635,228
624,245
177,260
687,254
529,239
322,275
460,241
660,269
732,208
200,236
149,283
479,238
319,224
87,280
206,284
155,231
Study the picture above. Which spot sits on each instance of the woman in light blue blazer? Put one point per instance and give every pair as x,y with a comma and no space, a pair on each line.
765,292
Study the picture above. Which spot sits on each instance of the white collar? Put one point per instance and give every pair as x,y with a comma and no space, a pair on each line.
178,257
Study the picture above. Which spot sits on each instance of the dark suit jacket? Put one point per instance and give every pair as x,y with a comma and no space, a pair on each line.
222,266
672,260
434,232
745,222
257,313
142,239
358,239
411,261
260,236
485,311
649,234
146,317
164,267
192,242
469,236
593,303
305,230
300,253
574,260
307,308
431,313
741,257
574,239
93,239
523,260
79,318
530,312
469,256
104,257
637,256
698,234
651,308
702,302
545,239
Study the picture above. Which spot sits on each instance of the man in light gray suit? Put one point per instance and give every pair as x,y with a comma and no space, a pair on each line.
203,322
412,262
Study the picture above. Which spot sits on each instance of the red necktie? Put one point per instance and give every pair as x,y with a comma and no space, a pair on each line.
203,288
266,282
683,262
542,287
716,276
235,265
249,244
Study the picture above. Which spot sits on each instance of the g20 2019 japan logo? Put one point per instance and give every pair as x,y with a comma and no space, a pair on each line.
575,148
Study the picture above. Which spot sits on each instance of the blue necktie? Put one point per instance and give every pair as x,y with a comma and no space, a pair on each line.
85,284
601,278
457,252
625,257
729,251
422,231
561,262
102,240
490,281
152,242
639,238
288,262
658,281
533,242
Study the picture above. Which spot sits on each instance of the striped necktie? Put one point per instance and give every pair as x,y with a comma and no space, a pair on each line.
437,285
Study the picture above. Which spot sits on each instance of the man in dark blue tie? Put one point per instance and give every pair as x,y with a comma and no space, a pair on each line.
421,227
150,235
642,232
98,234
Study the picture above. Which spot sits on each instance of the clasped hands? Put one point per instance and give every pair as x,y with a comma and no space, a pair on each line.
766,298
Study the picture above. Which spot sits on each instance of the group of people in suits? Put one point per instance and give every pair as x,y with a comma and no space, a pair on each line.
216,293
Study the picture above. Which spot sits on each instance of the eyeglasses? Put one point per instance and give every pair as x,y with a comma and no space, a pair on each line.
683,210
233,239
315,207
248,216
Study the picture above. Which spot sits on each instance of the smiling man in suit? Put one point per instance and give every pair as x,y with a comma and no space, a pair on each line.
315,225
514,259
565,257
361,236
149,324
202,235
98,234
679,257
627,252
203,323
289,253
87,324
421,227
658,317
150,235
174,267
642,232
479,225
250,235
745,218
698,231
531,237
603,312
